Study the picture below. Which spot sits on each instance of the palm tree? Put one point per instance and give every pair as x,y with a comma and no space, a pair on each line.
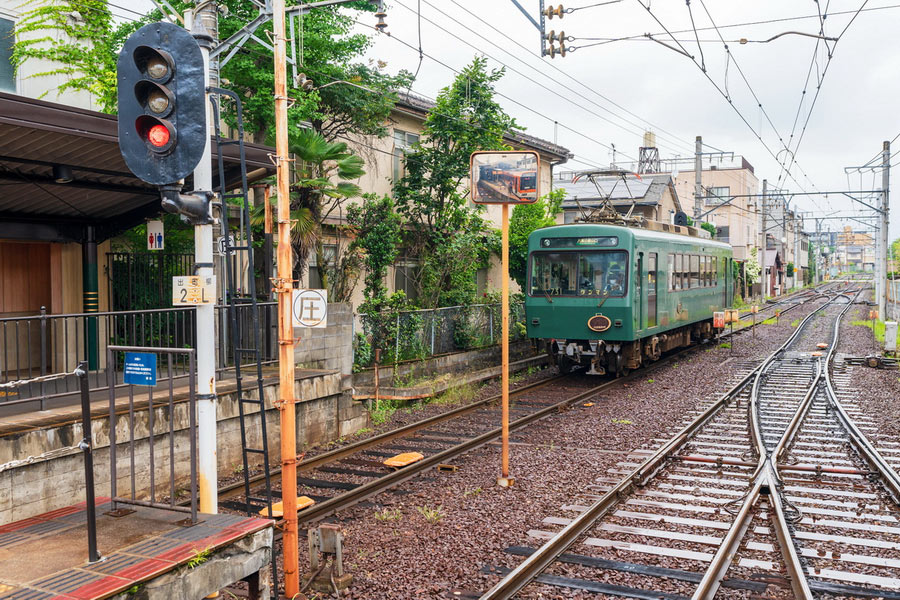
321,180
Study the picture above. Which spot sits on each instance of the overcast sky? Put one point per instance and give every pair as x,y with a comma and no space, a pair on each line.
589,91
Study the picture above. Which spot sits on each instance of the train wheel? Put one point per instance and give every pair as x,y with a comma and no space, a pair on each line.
564,363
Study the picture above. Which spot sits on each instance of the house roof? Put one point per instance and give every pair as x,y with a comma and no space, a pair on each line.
420,106
646,191
38,135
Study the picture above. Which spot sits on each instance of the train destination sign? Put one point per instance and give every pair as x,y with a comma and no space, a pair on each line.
505,177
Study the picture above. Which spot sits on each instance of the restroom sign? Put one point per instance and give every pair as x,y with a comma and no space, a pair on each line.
310,308
156,237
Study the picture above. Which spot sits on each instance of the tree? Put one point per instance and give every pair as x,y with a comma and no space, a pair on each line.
752,268
377,227
447,235
525,219
321,175
710,228
88,43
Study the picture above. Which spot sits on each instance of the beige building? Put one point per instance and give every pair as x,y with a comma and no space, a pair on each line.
855,250
384,164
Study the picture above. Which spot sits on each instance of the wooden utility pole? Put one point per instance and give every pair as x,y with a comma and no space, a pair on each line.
284,285
505,479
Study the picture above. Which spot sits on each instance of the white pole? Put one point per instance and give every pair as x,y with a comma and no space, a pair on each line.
206,349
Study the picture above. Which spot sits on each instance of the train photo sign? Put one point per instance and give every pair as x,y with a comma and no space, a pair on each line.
505,177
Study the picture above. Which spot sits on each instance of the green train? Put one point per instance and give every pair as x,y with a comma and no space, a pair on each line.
610,298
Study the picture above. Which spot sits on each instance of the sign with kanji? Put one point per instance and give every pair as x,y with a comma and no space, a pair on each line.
310,308
220,244
192,290
156,237
140,368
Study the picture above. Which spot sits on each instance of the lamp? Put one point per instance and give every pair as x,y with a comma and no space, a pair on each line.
62,173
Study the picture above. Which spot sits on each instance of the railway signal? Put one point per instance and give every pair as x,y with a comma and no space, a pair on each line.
505,178
162,105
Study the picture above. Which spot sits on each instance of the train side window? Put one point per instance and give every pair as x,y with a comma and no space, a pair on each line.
678,263
715,270
695,270
670,273
706,277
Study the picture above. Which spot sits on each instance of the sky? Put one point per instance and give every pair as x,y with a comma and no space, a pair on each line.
607,94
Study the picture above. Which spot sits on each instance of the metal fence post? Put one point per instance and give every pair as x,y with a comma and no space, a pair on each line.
86,446
433,317
43,350
397,341
491,322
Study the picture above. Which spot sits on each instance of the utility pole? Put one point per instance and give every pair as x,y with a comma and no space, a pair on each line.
284,285
762,240
698,186
207,469
797,261
881,270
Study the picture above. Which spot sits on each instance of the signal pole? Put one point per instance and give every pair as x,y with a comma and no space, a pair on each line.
762,240
698,186
207,468
284,285
881,270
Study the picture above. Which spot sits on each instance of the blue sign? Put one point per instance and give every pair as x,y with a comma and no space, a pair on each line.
140,368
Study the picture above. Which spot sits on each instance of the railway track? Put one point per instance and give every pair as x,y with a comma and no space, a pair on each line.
772,491
342,477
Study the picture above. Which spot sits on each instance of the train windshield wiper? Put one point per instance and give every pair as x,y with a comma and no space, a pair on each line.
605,298
549,299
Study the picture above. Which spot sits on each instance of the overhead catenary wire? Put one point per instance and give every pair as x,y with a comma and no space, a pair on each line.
719,89
518,72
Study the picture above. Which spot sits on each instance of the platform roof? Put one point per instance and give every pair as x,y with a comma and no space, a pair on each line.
36,135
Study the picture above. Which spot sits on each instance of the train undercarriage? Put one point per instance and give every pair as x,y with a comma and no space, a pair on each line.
601,357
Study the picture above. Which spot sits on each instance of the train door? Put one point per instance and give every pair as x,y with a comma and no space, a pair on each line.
725,278
639,292
651,289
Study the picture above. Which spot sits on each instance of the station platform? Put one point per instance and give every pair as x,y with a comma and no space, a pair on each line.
46,556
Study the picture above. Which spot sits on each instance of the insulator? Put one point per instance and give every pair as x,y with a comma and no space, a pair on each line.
550,11
562,50
552,51
562,37
380,25
551,36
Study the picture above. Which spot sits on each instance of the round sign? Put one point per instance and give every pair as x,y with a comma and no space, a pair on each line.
599,323
310,308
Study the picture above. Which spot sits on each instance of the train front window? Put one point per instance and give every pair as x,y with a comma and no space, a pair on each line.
527,182
600,274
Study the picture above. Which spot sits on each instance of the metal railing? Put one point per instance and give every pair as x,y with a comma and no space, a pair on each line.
189,356
31,346
141,280
417,334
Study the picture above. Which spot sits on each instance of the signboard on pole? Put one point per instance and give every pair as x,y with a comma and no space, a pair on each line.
156,237
505,177
140,368
220,244
193,290
310,308
719,319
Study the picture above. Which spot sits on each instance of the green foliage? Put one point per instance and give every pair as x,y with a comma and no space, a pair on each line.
878,328
389,514
378,230
811,261
432,515
200,557
752,266
330,52
525,219
789,270
78,35
710,228
179,237
451,238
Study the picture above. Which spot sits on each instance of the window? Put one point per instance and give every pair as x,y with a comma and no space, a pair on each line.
403,141
715,270
695,271
7,73
329,256
600,273
670,273
404,277
718,195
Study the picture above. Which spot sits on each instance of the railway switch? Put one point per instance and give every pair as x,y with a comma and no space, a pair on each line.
326,560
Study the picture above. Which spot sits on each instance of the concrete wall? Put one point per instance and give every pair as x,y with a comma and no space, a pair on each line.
329,348
325,412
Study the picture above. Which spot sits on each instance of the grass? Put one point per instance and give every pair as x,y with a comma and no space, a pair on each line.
199,558
389,514
622,422
384,410
474,492
432,515
795,322
725,345
770,321
649,381
460,394
879,328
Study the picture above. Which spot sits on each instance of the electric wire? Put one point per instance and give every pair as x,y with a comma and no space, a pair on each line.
583,85
513,69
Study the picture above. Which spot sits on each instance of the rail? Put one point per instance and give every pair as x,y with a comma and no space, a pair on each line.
538,561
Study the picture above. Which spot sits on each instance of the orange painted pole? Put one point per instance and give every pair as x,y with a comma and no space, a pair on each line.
284,285
505,480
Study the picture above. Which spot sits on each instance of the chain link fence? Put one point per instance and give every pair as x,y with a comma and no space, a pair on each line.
418,334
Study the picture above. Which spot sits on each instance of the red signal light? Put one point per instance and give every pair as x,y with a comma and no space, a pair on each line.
158,135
